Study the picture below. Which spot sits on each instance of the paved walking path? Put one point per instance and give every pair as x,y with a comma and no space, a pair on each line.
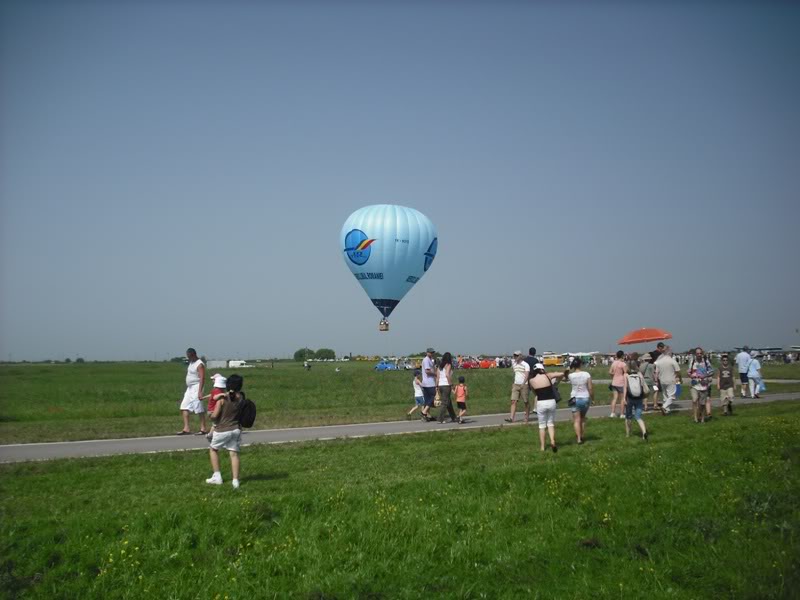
53,450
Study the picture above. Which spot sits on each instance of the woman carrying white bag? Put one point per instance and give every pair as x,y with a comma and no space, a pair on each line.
754,376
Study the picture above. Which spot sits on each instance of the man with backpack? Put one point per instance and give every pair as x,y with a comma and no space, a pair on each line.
700,371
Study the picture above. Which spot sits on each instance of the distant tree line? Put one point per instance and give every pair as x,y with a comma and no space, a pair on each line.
309,354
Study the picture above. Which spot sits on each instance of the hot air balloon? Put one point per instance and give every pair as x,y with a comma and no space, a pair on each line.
388,248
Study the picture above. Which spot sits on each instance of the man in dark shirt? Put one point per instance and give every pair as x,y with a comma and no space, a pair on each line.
657,352
532,359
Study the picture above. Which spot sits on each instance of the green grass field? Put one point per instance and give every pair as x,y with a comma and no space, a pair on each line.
700,511
97,400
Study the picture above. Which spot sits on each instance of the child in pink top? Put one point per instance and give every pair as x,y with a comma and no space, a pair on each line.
462,394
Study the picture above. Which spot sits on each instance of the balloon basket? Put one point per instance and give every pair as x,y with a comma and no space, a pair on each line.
383,326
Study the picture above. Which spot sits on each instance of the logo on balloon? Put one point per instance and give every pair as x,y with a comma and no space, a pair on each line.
358,246
431,253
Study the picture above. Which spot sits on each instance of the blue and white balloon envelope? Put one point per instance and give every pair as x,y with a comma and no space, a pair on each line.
388,248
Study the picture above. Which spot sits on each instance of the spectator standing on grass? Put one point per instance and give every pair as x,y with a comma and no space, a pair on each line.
742,362
700,371
580,397
462,395
227,431
543,384
668,375
217,391
531,359
725,384
428,383
754,375
656,354
522,372
618,370
444,381
648,372
192,403
636,391
419,399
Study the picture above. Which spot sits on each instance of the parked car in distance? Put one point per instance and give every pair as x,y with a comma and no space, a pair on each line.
385,365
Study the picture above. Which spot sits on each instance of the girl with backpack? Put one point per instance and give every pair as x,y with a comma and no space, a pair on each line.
227,429
635,391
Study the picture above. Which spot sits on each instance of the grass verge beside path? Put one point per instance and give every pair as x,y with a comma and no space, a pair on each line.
700,511
44,403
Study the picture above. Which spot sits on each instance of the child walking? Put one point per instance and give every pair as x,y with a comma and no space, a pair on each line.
419,399
462,395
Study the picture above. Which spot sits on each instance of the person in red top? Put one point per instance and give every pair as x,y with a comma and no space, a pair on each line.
462,395
217,391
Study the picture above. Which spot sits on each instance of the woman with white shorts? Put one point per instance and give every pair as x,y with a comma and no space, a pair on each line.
542,384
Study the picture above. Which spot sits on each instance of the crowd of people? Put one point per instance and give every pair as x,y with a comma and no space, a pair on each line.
639,383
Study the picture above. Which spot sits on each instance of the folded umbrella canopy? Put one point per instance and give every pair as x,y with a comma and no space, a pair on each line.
645,334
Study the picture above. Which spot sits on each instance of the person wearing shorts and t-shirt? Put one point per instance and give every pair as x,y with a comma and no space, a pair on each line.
636,391
743,362
725,384
227,430
581,396
531,359
700,371
668,374
428,383
462,395
519,389
618,371
419,399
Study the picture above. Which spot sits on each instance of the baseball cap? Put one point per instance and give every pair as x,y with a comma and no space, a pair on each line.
430,350
517,353
539,366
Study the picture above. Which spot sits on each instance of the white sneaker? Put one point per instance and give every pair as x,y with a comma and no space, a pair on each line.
214,480
235,484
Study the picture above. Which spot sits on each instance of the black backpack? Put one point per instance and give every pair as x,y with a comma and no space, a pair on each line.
247,412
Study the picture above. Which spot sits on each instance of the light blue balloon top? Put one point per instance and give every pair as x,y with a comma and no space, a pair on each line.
388,248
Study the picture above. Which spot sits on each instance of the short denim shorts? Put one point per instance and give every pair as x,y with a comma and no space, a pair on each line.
582,405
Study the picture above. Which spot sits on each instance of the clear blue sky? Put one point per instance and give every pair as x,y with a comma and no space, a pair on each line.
176,173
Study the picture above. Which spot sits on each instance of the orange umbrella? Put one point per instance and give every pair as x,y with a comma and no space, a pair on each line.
645,334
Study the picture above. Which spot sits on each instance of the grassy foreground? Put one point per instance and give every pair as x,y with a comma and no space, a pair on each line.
40,403
701,511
